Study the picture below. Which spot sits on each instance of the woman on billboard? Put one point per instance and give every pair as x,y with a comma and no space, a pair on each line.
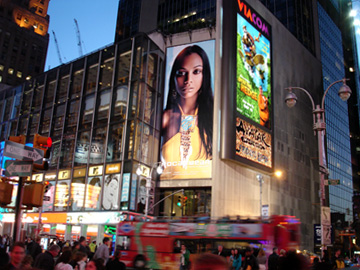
188,117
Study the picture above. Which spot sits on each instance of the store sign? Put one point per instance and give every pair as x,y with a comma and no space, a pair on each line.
96,170
133,193
64,174
37,177
145,171
253,143
125,187
113,168
79,173
50,176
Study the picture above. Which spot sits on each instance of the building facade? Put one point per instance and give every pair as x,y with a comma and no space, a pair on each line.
23,40
104,114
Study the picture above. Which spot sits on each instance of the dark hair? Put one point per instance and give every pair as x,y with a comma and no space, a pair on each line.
17,244
106,239
99,264
79,255
205,99
65,257
82,239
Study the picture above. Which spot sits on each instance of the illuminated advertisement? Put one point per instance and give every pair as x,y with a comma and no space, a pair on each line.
187,123
110,199
49,195
93,189
246,105
253,70
62,195
253,143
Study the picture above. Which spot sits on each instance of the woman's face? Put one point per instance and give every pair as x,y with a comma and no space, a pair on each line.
188,78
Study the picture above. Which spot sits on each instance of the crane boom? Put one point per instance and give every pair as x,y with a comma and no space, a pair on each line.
57,48
78,37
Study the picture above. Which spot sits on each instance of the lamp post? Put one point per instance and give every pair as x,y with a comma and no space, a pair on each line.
319,128
159,170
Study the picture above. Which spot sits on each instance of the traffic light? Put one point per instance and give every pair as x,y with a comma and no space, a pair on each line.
46,186
43,143
18,139
5,192
179,202
184,201
33,195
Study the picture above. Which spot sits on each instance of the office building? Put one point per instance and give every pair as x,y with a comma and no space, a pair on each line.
23,40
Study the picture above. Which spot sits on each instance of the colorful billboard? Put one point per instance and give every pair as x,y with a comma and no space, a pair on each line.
187,123
253,67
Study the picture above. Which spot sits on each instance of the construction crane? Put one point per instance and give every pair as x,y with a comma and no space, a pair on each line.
57,48
78,38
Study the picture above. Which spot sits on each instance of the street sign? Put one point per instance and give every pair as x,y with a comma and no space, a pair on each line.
332,182
23,152
18,168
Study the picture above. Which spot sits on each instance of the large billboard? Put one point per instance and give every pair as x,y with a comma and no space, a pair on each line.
247,128
187,123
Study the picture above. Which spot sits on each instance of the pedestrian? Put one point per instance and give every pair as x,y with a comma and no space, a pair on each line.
45,261
96,264
273,259
237,260
92,247
4,257
75,247
250,262
294,261
36,248
261,257
208,261
231,258
338,260
184,258
115,263
103,250
79,260
63,262
17,254
83,246
220,251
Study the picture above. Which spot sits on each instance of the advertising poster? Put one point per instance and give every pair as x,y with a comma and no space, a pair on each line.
110,199
62,195
93,190
133,193
253,143
77,194
253,71
187,123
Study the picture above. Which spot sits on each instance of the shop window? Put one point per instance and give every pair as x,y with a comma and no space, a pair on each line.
77,194
62,195
93,191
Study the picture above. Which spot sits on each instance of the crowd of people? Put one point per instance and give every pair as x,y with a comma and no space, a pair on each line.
79,255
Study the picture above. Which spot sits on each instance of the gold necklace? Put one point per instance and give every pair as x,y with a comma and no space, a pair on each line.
187,126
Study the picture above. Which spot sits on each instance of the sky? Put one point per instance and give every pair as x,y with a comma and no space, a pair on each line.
97,23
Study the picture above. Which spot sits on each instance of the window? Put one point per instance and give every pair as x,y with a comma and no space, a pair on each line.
82,148
120,103
18,16
98,144
114,148
72,116
77,83
19,74
58,120
45,123
26,20
67,151
62,92
103,108
11,71
91,78
1,67
87,112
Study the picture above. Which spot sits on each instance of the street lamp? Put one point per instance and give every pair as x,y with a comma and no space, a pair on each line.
319,128
140,171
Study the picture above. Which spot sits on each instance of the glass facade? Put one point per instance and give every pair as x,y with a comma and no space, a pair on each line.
336,114
103,114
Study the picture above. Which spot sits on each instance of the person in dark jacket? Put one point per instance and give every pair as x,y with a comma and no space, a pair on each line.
17,254
250,261
115,263
273,259
45,261
36,248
